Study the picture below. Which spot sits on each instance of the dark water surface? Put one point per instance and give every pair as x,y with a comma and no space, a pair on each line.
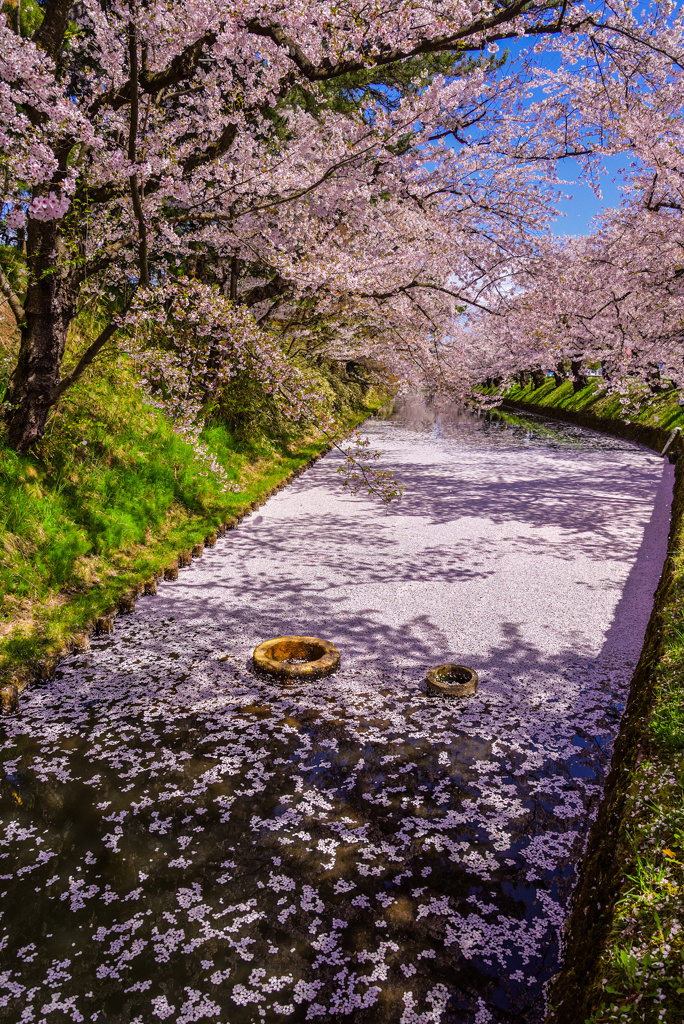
183,841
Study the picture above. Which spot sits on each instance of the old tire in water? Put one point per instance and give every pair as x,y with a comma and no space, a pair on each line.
452,680
296,657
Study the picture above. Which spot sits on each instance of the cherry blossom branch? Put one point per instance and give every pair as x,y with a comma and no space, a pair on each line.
615,27
426,286
360,474
326,70
278,286
292,197
104,260
185,64
183,67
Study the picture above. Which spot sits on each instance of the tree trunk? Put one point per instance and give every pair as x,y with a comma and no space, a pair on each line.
538,379
580,380
50,307
559,374
233,279
653,379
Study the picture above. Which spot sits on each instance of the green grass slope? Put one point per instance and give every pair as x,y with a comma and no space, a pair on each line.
656,410
111,496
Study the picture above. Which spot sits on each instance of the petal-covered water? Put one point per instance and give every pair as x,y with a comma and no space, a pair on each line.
184,841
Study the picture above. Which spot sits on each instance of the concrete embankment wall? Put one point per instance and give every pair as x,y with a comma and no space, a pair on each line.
578,989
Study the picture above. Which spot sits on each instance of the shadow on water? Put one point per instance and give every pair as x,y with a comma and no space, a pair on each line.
185,841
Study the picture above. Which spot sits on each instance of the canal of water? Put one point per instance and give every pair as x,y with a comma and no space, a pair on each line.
181,840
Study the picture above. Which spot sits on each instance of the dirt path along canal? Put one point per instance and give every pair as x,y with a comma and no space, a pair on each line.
183,841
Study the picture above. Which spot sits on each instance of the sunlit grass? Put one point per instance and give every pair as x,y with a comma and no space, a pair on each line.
110,497
660,409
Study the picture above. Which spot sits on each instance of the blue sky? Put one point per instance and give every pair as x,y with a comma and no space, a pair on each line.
584,204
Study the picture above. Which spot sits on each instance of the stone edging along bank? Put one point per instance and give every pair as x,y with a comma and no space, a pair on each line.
577,992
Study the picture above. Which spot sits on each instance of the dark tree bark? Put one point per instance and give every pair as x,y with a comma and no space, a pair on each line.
580,379
559,375
49,309
654,380
50,304
233,279
538,378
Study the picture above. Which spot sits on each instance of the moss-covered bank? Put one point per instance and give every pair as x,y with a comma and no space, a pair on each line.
625,936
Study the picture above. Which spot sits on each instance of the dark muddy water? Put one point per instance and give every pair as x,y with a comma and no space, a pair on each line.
183,841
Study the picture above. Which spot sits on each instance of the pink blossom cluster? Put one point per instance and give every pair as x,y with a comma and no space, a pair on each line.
613,301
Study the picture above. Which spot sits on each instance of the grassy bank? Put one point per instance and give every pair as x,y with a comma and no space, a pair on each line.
625,952
111,496
658,410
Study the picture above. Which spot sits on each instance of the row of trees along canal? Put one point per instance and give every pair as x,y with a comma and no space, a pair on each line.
222,183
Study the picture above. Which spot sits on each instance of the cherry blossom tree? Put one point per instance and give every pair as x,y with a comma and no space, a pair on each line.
291,155
614,298
353,174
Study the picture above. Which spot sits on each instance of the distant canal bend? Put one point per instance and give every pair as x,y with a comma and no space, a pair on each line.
184,841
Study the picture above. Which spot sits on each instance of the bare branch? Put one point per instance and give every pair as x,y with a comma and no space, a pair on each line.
88,356
13,299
